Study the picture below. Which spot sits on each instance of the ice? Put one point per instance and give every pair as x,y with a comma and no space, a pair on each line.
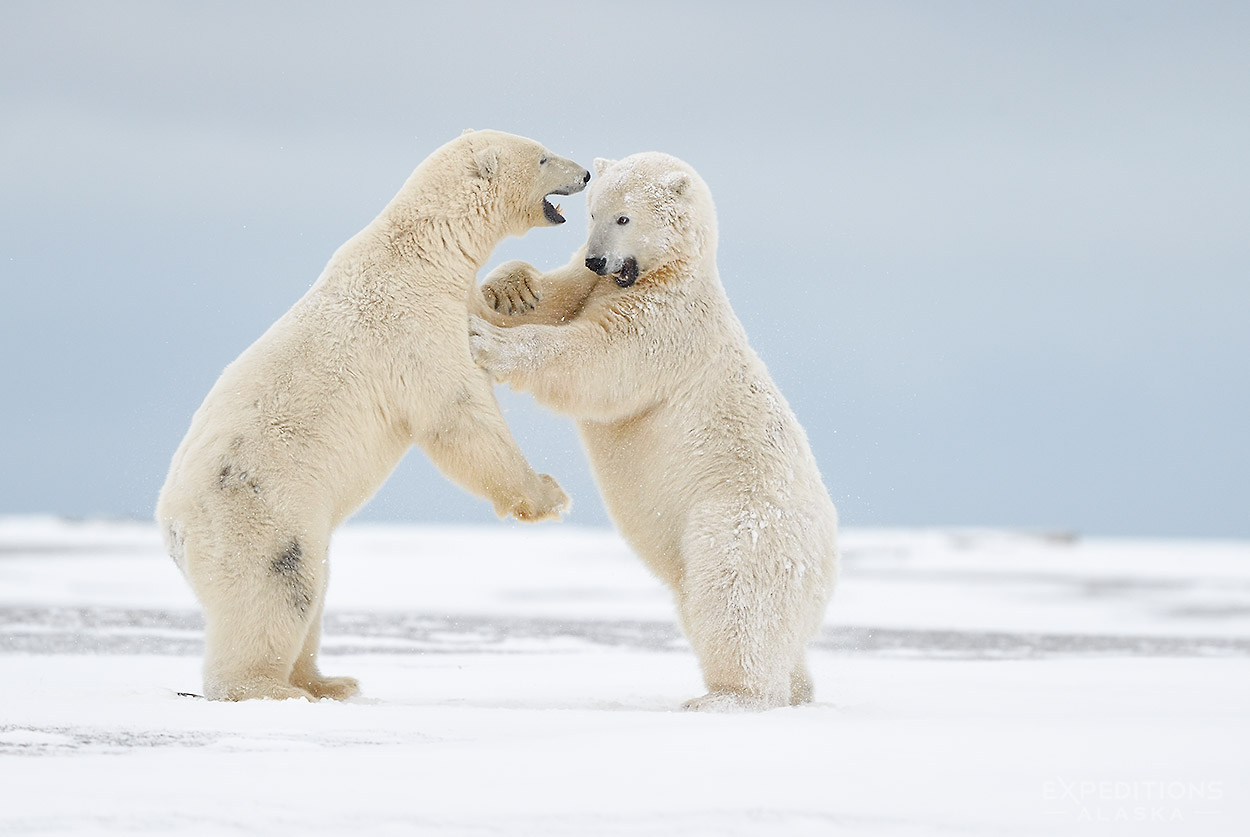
526,681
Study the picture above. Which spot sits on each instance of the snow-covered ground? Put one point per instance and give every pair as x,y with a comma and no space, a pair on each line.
526,681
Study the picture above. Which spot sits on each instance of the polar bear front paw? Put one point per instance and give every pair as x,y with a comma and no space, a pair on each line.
547,501
509,288
484,344
492,348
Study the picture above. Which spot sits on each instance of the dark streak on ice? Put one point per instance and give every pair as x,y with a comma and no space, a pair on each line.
27,630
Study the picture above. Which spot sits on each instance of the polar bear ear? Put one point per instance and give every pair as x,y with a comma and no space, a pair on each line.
676,181
466,131
487,161
602,163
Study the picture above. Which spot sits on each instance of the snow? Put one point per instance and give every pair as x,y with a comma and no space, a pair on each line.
526,680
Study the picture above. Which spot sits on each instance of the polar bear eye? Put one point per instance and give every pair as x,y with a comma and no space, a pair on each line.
623,220
543,161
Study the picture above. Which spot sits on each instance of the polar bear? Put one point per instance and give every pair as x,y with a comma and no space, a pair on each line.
702,465
309,421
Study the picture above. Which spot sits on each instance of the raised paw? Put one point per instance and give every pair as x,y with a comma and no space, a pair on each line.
484,343
546,501
494,349
509,288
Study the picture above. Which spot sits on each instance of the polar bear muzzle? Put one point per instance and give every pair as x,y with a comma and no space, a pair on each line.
624,271
578,182
629,273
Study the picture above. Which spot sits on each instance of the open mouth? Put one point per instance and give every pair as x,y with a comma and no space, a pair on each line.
628,274
552,211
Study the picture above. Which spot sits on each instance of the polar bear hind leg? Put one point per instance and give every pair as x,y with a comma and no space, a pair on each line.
305,674
741,618
801,689
262,621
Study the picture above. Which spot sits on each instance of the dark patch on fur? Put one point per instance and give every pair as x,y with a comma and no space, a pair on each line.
288,567
227,478
288,563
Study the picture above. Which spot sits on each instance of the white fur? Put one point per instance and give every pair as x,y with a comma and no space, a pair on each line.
308,422
702,464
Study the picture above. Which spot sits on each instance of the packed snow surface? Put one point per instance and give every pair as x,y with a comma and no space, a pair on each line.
522,681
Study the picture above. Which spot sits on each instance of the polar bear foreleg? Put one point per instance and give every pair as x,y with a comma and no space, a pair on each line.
472,445
552,362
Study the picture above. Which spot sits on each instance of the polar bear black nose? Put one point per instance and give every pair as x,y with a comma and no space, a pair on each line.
598,264
586,179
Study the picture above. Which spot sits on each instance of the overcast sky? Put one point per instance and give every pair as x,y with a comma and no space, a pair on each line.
996,255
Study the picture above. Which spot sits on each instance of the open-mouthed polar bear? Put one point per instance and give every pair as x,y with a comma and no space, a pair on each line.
309,421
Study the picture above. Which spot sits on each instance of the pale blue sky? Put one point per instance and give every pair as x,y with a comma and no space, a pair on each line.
997,255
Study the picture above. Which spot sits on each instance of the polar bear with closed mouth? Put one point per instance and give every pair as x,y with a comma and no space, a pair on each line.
702,465
308,422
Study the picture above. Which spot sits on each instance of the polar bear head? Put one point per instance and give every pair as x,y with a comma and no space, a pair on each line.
648,212
515,175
